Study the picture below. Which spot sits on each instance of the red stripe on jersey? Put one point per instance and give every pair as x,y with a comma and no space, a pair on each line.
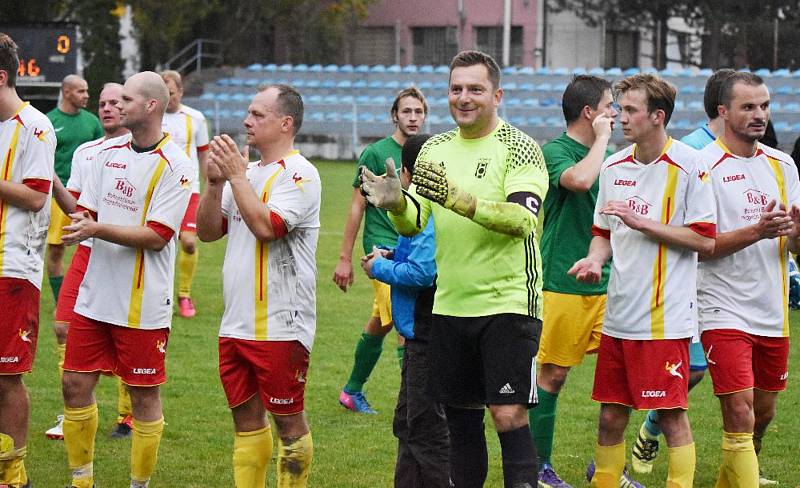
75,194
18,119
202,148
42,186
282,163
81,208
723,158
165,232
628,159
99,141
600,232
278,225
161,153
669,160
127,145
705,229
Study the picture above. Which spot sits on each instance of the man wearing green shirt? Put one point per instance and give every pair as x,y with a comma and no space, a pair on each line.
483,184
573,311
408,114
73,126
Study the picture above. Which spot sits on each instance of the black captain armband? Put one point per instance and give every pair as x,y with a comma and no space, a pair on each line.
529,200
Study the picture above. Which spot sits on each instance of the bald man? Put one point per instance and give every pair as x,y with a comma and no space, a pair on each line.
73,126
131,206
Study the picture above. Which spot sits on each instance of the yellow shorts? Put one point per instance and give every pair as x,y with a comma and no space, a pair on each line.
571,327
382,305
58,220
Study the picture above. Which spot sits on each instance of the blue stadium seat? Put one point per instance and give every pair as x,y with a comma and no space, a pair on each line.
344,84
237,81
395,68
526,87
679,105
669,72
252,82
313,84
239,114
328,84
332,68
426,68
544,71
302,68
440,85
409,68
764,72
346,68
362,68
315,68
510,86
681,124
240,97
696,105
347,116
597,71
525,70
650,70
331,99
363,100
366,117
535,121
791,107
333,117
223,97
554,121
630,71
518,120
705,72
207,96
530,102
512,102
782,127
434,119
255,67
380,100
784,90
510,70
687,89
314,99
285,67
425,85
270,67
561,72
559,88
316,117
224,113
224,82
375,84
579,71
378,68
360,84
346,99
548,102
777,107
615,71
544,87
442,69
796,128
392,85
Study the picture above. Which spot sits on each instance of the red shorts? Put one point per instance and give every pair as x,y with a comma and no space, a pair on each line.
189,223
643,374
135,355
276,370
72,283
740,361
19,325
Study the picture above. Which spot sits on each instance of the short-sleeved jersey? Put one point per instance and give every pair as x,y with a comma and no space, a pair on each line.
481,271
270,287
651,293
129,186
568,219
72,130
82,160
378,229
699,138
749,289
188,129
27,144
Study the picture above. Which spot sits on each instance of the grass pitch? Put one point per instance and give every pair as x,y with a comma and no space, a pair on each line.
350,450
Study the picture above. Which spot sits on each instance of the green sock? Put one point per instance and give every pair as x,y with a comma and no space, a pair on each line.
368,351
55,284
400,351
543,424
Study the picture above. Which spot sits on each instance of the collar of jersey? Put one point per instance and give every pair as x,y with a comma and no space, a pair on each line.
289,154
660,157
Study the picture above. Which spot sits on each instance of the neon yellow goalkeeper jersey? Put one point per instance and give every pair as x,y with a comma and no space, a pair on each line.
482,272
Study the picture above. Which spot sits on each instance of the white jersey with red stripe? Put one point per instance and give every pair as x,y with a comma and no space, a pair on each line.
82,161
189,131
27,145
651,292
749,289
129,186
270,287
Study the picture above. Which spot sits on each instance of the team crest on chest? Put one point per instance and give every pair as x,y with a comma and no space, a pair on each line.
480,169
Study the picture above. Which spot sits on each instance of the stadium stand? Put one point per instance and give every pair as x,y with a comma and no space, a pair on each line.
352,101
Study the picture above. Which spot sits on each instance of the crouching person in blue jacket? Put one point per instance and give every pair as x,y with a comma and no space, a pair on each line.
419,424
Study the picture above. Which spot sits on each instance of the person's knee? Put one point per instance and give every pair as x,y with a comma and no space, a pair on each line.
508,417
695,377
10,384
188,242
737,413
55,252
249,416
612,421
374,327
61,329
145,402
76,389
674,423
291,426
552,377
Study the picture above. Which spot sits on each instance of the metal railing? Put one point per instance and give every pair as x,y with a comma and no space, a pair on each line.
194,54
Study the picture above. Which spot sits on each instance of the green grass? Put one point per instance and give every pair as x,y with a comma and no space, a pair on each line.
350,450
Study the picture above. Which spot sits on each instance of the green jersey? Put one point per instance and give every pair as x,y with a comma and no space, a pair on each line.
482,272
72,130
568,220
378,229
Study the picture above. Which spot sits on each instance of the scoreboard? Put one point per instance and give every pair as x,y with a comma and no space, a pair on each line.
47,52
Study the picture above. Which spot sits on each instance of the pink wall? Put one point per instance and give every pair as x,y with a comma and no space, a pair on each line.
476,13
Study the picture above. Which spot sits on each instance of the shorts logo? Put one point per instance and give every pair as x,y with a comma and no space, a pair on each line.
506,390
299,181
143,371
23,334
654,394
785,376
125,187
161,346
480,170
708,356
673,369
301,377
9,359
281,401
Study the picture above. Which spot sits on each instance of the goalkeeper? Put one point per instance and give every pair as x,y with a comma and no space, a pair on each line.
483,183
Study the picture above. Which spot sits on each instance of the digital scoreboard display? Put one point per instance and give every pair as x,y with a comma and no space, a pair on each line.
47,52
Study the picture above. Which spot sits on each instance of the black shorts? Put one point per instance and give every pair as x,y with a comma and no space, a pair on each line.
484,360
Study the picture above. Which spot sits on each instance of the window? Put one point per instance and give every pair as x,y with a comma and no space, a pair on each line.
434,45
374,45
490,41
622,49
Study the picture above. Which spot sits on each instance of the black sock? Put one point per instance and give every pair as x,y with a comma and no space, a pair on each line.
520,466
469,460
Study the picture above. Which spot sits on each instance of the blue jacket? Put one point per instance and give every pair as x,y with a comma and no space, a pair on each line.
411,270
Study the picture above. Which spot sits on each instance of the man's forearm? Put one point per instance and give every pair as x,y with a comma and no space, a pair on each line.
63,197
682,237
255,214
728,243
408,220
139,237
508,218
19,195
209,213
